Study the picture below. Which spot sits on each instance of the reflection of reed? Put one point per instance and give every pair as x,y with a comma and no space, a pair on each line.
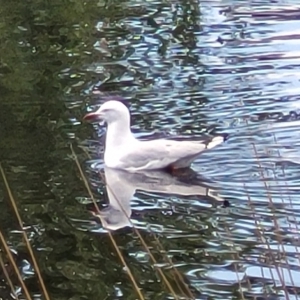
260,228
29,248
5,272
279,237
270,257
177,277
12,265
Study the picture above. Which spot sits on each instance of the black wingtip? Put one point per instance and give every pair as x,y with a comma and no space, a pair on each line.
225,136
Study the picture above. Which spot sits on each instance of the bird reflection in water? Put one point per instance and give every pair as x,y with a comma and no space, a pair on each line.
122,185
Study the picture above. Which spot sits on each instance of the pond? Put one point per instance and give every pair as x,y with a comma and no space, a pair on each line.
227,228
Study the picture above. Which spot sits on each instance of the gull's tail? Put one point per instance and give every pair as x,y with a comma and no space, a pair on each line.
215,141
207,143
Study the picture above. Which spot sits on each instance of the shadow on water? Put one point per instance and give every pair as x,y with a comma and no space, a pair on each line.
184,68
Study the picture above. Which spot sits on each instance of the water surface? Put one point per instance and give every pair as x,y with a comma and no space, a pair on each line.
185,68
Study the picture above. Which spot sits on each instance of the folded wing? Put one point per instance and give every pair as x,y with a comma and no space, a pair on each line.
162,153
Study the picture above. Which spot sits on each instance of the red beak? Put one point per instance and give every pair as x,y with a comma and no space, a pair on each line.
92,117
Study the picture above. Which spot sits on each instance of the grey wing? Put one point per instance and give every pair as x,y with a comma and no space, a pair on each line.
147,156
159,154
185,153
190,150
180,154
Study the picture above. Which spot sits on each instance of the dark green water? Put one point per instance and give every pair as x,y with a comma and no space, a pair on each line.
185,68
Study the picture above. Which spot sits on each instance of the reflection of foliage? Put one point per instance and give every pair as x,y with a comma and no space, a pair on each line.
38,37
33,34
186,18
46,52
43,49
38,40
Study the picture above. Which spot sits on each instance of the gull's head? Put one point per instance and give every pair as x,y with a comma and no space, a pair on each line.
109,112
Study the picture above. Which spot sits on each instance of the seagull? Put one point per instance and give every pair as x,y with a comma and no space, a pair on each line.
125,152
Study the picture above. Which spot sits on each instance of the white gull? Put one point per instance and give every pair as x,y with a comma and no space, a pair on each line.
124,151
